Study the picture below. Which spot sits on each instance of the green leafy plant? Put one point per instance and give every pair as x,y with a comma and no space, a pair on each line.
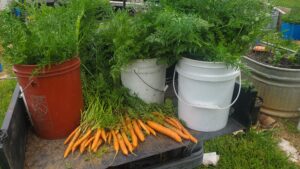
178,34
234,25
153,32
46,35
280,49
293,16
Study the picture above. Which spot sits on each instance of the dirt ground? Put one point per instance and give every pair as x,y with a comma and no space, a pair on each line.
287,129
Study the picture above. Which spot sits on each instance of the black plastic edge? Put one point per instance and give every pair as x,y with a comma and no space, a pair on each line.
11,107
14,129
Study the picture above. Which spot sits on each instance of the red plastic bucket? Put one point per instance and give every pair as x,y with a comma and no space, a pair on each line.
53,97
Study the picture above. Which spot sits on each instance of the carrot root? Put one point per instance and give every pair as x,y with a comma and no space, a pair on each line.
97,137
122,144
165,131
128,144
71,136
69,148
138,131
78,142
143,126
116,142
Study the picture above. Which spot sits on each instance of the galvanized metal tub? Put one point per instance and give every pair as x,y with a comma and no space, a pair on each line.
279,88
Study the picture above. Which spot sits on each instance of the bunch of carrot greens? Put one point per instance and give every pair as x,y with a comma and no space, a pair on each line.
115,118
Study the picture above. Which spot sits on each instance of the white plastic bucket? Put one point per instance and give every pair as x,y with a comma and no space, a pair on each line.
205,92
146,79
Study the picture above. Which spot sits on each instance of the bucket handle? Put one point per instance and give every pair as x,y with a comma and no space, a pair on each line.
162,91
207,106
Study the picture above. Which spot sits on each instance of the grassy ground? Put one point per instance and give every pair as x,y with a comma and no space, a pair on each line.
288,3
6,89
253,150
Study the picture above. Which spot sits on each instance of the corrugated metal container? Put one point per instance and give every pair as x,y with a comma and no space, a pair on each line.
279,88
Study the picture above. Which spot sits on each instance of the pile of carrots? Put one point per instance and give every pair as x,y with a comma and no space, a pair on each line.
127,137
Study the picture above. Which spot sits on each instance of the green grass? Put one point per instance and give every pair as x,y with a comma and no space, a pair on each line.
287,3
291,126
6,91
253,150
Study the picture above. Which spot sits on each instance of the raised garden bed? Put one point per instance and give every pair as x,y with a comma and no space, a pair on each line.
278,86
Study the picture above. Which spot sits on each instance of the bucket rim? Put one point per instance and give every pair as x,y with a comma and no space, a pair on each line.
149,60
135,65
271,67
203,64
209,78
24,70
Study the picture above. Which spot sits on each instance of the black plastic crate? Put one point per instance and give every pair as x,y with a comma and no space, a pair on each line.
247,107
187,157
13,134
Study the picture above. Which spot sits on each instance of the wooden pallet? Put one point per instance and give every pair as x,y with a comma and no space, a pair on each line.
49,154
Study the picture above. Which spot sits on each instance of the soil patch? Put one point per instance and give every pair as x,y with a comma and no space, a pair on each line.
268,57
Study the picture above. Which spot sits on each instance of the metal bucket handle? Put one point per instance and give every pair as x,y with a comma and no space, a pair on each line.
162,91
206,106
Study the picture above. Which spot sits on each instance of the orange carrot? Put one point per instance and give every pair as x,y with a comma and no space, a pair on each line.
128,144
71,135
180,133
124,124
98,145
171,122
132,134
164,130
82,146
138,131
69,148
176,122
192,138
103,135
84,137
116,142
122,144
109,137
185,131
85,144
89,141
151,130
97,137
143,126
259,48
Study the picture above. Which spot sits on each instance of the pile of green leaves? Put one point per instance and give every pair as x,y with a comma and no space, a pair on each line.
46,35
234,25
293,16
153,32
